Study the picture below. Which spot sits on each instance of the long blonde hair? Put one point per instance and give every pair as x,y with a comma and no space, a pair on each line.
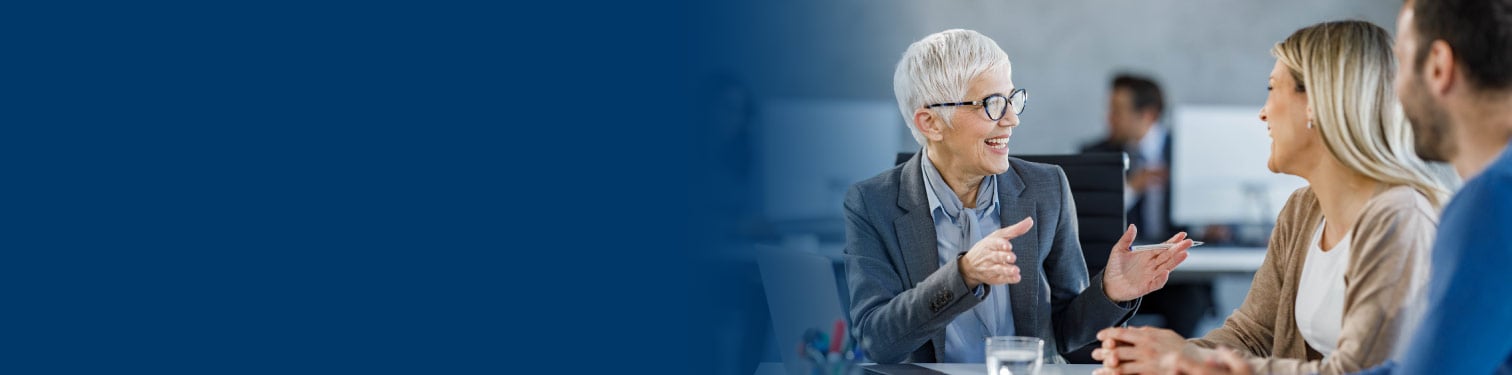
1346,68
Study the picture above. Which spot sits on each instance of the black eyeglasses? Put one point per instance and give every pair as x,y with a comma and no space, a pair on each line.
996,105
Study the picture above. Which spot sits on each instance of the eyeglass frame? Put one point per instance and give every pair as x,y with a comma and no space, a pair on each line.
1007,103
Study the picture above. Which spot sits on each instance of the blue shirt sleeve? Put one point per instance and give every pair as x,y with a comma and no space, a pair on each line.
1467,328
1381,369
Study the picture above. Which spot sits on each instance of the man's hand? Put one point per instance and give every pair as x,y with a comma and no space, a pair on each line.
990,261
1131,275
1144,179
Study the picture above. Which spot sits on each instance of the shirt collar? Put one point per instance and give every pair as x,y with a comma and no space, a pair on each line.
1152,143
986,193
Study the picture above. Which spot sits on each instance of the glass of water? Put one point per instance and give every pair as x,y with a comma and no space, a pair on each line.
1014,355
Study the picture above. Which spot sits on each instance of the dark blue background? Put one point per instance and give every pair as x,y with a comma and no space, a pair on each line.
361,187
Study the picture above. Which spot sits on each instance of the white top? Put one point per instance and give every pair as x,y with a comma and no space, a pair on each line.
1320,293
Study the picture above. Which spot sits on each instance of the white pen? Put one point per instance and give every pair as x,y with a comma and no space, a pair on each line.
1159,246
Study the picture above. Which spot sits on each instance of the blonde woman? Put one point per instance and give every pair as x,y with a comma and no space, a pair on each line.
1350,248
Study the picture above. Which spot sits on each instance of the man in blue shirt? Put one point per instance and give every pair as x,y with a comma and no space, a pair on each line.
1455,84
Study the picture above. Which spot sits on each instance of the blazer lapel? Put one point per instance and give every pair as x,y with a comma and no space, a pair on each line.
916,233
1025,294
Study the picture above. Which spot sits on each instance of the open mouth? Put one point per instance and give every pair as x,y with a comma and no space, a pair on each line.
999,143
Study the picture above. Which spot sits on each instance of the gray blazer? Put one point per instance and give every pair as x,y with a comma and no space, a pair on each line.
902,298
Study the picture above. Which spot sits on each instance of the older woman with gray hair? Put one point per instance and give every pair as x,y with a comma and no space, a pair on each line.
933,266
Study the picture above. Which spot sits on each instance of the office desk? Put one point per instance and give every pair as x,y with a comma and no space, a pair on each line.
773,368
1201,263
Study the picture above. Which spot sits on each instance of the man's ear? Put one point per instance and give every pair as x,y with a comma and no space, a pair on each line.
1438,69
1149,117
929,124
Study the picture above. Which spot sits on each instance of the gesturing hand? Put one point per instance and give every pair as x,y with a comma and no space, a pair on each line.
1131,275
990,261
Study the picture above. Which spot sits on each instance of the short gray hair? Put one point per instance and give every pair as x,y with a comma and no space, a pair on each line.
940,67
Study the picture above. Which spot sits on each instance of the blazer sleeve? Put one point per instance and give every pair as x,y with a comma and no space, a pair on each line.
1387,264
1079,307
890,318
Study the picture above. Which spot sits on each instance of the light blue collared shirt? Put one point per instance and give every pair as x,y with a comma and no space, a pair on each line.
957,228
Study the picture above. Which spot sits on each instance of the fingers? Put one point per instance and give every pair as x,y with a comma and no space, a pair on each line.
1182,245
1006,270
1168,259
1137,357
1012,275
1141,367
1133,336
1015,230
995,246
1131,354
998,244
1158,258
1003,274
1109,359
1106,335
1127,239
1161,258
1234,361
1176,261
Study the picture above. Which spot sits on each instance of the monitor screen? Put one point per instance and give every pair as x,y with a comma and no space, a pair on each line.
1218,168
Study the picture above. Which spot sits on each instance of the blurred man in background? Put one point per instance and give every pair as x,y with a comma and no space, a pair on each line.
1135,107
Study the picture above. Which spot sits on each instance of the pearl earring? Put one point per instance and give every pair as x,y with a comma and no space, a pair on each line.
1309,124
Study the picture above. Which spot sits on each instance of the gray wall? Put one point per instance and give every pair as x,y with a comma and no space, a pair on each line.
1064,52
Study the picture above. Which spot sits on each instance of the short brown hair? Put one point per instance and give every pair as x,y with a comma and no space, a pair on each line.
1145,92
1479,31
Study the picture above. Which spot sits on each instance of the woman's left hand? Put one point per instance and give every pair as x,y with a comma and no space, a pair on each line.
1131,275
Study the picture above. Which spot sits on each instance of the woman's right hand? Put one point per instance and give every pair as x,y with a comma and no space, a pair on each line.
990,261
1220,362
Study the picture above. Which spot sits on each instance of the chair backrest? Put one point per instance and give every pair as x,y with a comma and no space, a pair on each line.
1097,182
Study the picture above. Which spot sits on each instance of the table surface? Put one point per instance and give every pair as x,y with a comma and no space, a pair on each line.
1222,259
1200,260
774,368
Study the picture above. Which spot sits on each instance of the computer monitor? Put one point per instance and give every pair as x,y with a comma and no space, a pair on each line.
813,150
1218,168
